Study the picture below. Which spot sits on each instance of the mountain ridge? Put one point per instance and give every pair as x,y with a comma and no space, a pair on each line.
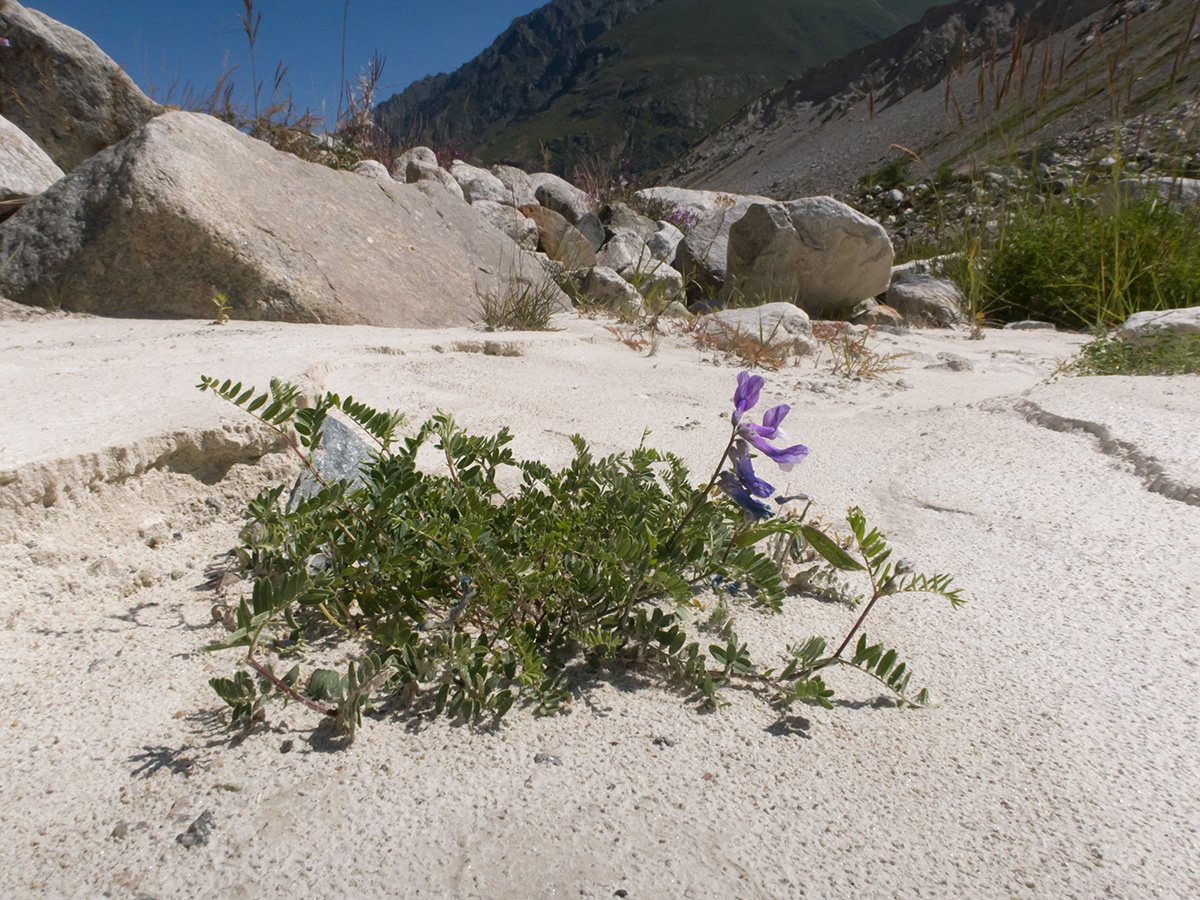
636,78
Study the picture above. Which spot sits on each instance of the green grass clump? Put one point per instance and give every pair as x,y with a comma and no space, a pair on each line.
521,305
1170,353
1080,267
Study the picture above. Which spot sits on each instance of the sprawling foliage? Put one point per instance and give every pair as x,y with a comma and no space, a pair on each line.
470,598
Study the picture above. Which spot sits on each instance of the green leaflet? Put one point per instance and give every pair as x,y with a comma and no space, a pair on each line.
829,550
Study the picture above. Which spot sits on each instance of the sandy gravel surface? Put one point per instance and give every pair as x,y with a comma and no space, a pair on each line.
1062,761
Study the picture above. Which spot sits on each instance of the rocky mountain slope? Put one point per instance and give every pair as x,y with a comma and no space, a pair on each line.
972,79
633,78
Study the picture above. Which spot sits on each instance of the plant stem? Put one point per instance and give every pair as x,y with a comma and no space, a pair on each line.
704,494
288,689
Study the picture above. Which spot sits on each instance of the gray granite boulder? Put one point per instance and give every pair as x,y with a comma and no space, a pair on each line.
372,168
517,184
418,170
663,242
701,254
623,251
590,227
188,206
25,169
339,457
510,221
478,184
1154,324
418,154
619,218
655,280
559,239
776,322
561,196
816,252
61,89
1177,191
604,287
928,299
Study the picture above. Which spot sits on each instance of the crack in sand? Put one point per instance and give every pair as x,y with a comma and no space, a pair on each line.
1154,476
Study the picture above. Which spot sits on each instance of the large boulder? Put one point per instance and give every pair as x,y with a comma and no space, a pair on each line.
624,250
372,168
517,184
701,255
1161,323
602,286
479,184
561,196
417,170
416,154
25,169
656,281
61,89
590,226
927,299
772,323
663,242
512,222
619,218
559,239
1176,191
188,206
816,252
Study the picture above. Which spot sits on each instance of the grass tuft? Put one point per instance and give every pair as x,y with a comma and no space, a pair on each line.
1169,353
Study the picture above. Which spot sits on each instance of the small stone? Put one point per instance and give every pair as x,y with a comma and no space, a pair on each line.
664,742
955,363
1029,325
198,832
501,348
286,746
545,759
121,831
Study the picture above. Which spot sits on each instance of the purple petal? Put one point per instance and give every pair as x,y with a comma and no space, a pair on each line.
746,394
744,471
773,417
753,508
785,458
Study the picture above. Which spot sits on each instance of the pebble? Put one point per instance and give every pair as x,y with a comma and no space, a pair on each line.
199,831
545,759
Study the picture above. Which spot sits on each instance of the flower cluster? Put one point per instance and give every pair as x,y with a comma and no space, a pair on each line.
741,484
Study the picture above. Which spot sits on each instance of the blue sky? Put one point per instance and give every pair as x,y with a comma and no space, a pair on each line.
195,40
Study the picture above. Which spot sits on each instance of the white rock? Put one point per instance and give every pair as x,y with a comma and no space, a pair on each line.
478,184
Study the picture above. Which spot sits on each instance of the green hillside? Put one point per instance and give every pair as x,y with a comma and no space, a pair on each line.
645,88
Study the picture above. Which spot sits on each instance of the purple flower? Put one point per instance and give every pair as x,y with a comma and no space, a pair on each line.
746,394
759,436
4,42
744,472
756,509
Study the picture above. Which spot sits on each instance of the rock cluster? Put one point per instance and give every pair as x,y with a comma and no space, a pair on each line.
165,211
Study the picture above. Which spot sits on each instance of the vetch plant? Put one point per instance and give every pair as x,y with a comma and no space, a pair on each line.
449,594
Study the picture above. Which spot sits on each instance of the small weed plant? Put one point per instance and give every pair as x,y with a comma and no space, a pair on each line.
850,352
522,304
221,313
453,596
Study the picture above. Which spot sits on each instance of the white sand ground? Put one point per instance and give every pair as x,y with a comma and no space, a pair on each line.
1063,761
